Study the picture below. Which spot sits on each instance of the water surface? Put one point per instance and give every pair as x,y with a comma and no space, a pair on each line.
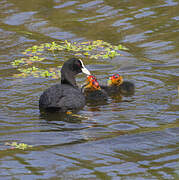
133,138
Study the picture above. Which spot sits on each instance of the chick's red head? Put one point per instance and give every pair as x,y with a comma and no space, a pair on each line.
91,77
92,83
115,79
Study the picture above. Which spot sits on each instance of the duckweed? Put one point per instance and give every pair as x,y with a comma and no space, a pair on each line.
30,64
15,145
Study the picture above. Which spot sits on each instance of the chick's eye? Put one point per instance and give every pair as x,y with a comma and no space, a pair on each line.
116,76
92,78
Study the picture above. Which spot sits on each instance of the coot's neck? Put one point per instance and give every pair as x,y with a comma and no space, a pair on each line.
65,81
68,78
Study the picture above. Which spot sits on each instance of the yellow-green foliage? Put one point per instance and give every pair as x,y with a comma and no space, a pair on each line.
18,146
35,54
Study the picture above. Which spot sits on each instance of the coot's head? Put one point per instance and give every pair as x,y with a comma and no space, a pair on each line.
71,68
116,80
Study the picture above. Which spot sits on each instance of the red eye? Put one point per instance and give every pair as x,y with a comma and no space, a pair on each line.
92,77
115,76
79,65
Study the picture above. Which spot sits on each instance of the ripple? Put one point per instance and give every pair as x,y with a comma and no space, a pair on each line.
176,18
144,14
66,4
89,5
19,18
129,137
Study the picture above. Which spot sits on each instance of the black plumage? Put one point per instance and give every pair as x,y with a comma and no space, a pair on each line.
93,92
126,88
65,95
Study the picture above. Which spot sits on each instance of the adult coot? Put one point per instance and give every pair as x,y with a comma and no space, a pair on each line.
117,86
93,92
66,95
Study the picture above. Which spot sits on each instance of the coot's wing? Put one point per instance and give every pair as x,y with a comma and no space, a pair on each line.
51,97
62,97
72,98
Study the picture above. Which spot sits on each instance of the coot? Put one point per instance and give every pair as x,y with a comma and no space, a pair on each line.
66,95
93,92
116,85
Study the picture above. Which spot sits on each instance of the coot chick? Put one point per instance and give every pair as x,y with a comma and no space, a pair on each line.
117,86
93,92
66,95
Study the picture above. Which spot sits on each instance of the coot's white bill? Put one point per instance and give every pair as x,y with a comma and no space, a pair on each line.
84,70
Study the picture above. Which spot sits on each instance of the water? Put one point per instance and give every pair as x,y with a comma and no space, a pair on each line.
132,138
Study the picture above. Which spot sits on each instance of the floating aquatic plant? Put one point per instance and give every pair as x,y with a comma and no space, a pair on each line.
15,145
30,64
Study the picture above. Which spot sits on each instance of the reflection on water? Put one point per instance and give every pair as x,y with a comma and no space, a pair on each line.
133,137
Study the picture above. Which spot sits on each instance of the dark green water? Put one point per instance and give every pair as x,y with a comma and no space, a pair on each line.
136,138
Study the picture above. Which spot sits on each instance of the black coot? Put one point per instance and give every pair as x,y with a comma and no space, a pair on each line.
93,92
117,86
65,96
